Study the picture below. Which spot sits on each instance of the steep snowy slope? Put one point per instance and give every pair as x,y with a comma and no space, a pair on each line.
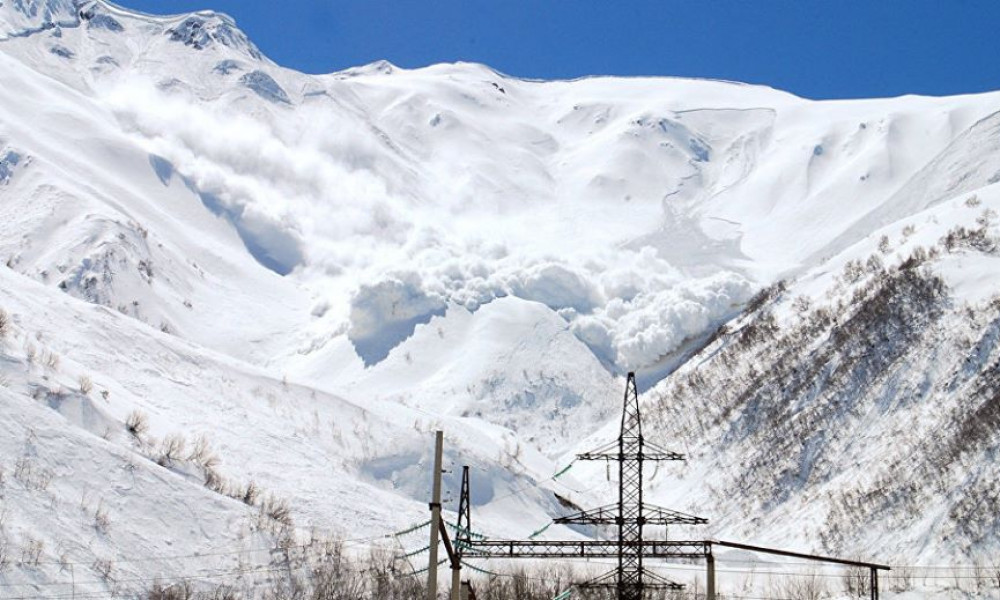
856,407
318,271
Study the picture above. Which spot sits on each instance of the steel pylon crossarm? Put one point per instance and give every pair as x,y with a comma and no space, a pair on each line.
610,581
651,515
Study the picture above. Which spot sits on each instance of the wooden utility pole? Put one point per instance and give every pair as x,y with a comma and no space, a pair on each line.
435,516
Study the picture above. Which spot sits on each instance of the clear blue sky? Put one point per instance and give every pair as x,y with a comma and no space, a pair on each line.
814,48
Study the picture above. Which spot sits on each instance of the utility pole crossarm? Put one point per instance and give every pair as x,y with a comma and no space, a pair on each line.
653,581
616,457
608,515
657,515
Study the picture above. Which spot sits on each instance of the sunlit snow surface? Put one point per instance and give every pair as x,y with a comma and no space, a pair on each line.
318,271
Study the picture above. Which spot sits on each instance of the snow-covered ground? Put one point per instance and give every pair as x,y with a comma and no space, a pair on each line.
310,274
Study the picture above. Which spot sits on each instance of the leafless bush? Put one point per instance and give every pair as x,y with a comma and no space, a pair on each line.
918,257
883,245
810,586
31,552
102,520
86,385
277,510
853,271
4,552
975,239
51,360
250,494
874,264
901,578
137,424
765,295
175,591
171,450
31,476
4,324
104,567
201,454
216,482
856,582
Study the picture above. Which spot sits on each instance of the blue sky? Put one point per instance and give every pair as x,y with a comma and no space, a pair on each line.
814,48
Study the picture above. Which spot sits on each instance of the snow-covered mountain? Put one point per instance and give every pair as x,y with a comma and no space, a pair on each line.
303,276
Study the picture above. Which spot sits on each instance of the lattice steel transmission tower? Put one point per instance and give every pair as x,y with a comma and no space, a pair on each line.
631,514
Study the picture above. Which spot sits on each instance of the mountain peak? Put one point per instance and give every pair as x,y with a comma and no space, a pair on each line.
203,29
22,17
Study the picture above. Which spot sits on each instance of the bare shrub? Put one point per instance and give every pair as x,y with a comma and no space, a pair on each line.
31,552
765,295
883,245
31,476
202,455
250,494
801,304
104,567
810,586
856,582
4,324
102,520
874,264
86,385
215,482
985,219
171,450
4,552
277,509
137,424
902,578
51,360
918,257
853,271
176,591
976,239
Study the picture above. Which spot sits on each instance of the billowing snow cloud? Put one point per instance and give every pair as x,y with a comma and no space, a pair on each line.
325,196
384,314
